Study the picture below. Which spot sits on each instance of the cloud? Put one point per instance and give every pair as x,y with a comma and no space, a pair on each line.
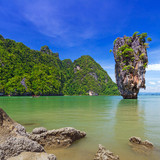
153,83
153,67
151,89
158,81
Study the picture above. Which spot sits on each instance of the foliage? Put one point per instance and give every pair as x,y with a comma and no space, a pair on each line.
45,49
145,65
114,41
127,67
135,33
43,73
143,37
149,39
90,76
142,56
110,51
126,54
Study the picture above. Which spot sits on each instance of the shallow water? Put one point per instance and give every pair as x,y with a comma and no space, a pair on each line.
107,120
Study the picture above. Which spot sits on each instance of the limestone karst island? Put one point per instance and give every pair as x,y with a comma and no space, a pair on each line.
79,80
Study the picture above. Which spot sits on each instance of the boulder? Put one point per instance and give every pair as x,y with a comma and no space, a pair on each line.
57,138
14,139
39,130
104,154
14,145
34,156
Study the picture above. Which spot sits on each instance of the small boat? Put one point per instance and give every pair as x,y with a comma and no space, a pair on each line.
35,96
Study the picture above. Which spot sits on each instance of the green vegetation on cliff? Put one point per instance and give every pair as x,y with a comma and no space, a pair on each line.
27,72
126,53
89,75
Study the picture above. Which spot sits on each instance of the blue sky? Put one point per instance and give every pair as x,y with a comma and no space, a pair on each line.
84,27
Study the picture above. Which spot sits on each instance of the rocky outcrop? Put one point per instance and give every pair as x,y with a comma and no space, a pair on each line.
104,154
94,75
77,68
57,138
45,49
130,54
140,146
33,156
14,145
24,83
14,140
138,141
92,93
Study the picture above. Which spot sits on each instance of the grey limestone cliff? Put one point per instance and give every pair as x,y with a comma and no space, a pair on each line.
130,54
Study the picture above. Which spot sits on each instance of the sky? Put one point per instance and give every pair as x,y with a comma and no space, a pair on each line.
84,27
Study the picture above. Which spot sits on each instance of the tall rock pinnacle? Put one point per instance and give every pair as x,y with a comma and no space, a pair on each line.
130,54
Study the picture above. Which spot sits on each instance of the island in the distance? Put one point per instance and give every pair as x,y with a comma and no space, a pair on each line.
29,72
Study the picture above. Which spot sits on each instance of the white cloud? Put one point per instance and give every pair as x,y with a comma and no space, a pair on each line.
158,81
153,67
153,83
150,89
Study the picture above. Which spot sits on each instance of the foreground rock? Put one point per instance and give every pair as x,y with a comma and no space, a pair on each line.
33,156
14,140
141,146
57,138
104,154
130,54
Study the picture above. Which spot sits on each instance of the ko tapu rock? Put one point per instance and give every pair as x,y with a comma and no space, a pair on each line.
130,54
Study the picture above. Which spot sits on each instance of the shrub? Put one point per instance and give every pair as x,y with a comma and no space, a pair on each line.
149,39
135,33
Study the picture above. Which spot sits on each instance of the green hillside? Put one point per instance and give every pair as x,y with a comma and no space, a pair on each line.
29,72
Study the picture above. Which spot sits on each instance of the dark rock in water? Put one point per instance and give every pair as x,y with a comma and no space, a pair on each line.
137,140
130,54
104,154
63,137
140,146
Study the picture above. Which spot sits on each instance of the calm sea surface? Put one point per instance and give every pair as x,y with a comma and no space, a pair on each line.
107,120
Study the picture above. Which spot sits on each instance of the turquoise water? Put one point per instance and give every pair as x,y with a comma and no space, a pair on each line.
107,120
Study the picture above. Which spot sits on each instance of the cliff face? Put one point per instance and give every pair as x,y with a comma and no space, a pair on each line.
87,77
130,54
